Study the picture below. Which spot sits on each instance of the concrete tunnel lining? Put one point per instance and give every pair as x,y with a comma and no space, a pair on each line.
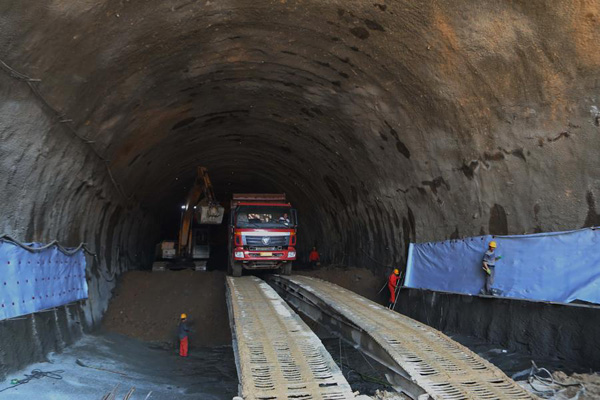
384,122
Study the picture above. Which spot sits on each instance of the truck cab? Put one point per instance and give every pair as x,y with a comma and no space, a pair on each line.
262,233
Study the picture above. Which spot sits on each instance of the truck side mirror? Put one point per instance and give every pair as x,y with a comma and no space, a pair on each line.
294,217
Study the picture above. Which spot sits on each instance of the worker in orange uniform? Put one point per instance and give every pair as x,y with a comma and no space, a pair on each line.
392,285
182,332
314,258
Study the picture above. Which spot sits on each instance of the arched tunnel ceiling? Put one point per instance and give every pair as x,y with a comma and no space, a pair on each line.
384,121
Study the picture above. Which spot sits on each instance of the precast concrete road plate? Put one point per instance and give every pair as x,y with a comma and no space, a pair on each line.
426,360
277,355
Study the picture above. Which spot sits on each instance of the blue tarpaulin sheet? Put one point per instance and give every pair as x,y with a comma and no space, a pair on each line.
35,281
558,266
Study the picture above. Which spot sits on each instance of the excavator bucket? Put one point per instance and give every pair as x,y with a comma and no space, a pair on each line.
211,215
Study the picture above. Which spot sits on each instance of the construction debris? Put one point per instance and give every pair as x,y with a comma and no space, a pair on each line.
560,386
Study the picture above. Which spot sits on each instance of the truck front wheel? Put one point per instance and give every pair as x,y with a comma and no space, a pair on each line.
236,269
286,269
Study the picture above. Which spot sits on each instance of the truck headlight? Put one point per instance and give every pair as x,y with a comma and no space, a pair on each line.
239,254
291,254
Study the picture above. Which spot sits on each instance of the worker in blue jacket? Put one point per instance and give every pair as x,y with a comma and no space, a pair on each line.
489,267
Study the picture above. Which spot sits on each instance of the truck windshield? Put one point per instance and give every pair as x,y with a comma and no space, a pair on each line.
264,217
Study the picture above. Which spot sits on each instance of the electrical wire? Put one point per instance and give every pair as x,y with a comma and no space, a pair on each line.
368,378
16,74
550,387
36,374
32,83
364,377
65,250
382,378
378,262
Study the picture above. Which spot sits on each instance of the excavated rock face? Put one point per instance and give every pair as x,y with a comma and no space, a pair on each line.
385,122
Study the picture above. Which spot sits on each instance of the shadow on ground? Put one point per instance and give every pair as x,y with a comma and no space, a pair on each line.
207,374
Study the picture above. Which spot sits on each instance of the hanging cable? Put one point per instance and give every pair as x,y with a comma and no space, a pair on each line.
65,250
550,387
378,262
32,83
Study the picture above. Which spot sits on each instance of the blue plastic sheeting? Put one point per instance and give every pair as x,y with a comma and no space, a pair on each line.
558,266
31,282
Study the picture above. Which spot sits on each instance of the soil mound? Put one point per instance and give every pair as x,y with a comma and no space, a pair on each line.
147,306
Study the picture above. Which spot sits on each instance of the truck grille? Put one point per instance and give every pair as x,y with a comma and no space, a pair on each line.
274,242
255,255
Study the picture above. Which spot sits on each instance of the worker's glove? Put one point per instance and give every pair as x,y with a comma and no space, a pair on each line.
499,257
487,270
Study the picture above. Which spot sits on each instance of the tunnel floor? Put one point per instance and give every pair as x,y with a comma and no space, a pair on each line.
208,373
147,359
146,306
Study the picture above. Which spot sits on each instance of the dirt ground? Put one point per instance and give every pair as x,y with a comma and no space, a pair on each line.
147,306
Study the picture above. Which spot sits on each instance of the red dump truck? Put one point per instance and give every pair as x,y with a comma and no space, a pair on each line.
262,233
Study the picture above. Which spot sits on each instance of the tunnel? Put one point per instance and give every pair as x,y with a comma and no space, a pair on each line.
384,122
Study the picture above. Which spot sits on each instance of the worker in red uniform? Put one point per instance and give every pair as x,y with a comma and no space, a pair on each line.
182,332
392,285
314,258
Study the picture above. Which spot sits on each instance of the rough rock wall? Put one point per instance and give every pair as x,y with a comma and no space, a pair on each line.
30,339
542,330
53,186
385,121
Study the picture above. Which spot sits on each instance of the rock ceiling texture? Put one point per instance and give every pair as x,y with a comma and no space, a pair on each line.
385,122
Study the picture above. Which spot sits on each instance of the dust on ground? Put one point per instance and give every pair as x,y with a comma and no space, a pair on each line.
147,306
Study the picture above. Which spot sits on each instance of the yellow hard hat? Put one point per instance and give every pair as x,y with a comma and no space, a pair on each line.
396,271
493,244
183,316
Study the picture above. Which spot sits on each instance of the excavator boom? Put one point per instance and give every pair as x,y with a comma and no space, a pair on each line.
201,204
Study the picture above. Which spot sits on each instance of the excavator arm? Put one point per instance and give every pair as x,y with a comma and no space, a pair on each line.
200,202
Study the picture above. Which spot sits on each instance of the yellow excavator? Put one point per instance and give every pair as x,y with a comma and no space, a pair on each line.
192,250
